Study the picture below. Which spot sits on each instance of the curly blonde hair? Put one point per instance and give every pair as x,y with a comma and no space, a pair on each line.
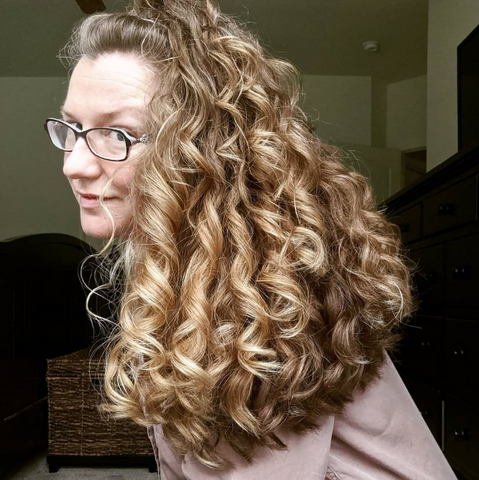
261,284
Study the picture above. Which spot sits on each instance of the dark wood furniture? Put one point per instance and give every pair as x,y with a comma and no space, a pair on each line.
43,316
439,361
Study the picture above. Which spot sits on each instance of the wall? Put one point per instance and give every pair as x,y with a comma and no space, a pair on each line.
406,111
34,194
402,116
35,197
343,108
379,112
450,22
383,167
340,107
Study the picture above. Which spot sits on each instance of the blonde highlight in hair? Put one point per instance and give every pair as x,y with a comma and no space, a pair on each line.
262,286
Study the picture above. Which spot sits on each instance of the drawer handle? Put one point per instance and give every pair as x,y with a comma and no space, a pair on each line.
459,352
426,413
461,434
425,343
446,209
461,272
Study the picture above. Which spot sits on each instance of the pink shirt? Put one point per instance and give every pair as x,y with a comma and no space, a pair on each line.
380,435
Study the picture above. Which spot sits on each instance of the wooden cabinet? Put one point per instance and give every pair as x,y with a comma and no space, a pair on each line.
429,403
451,207
439,354
461,436
462,354
423,347
462,272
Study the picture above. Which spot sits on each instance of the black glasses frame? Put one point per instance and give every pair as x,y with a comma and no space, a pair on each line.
129,139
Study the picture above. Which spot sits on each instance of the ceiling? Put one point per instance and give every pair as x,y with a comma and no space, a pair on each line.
321,37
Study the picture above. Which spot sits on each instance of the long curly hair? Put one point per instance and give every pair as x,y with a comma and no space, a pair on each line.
261,285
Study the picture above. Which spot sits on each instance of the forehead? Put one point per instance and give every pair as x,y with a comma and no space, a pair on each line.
113,82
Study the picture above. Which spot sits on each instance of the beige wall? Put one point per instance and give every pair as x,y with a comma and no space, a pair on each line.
379,112
343,108
36,198
450,22
340,107
383,167
406,114
34,195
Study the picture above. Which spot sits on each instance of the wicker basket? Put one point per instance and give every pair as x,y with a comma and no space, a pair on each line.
76,427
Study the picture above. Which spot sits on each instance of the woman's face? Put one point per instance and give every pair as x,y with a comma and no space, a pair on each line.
111,91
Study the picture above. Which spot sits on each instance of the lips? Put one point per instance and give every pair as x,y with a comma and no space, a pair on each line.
95,197
92,201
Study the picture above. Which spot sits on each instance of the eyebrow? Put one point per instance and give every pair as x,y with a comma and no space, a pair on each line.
104,116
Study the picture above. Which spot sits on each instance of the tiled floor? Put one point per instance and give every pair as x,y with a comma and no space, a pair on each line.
37,469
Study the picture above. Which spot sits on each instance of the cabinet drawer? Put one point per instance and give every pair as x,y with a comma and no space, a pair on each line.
429,278
428,401
462,436
451,207
462,353
462,272
421,348
409,222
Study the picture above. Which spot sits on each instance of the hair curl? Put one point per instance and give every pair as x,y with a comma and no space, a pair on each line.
261,284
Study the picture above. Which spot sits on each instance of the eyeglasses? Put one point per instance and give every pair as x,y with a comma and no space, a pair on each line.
108,143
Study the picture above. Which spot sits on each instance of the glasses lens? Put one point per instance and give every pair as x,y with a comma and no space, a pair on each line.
108,143
62,136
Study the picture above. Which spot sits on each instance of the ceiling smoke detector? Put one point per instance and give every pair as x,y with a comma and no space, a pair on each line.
371,46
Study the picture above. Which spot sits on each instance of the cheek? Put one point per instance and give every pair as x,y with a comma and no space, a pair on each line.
70,181
123,177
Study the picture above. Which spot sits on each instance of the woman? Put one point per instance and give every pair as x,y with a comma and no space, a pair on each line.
260,286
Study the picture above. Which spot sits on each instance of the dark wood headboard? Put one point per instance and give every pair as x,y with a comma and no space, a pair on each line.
42,316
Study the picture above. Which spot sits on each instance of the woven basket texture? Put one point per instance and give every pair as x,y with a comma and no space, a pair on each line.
76,427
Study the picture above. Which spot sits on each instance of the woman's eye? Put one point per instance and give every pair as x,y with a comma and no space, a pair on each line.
114,135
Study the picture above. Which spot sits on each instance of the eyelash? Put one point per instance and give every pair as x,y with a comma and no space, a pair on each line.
127,130
80,126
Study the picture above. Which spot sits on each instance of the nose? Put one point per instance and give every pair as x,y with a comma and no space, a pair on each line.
81,162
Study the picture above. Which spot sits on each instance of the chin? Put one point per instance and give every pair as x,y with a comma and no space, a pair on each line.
104,229
97,231
99,226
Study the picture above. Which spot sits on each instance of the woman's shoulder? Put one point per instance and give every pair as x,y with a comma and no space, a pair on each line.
382,435
306,457
379,435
